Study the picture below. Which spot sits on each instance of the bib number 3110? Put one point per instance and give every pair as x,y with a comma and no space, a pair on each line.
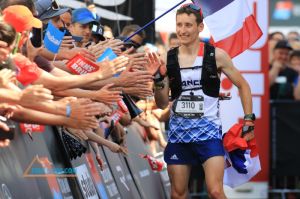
189,106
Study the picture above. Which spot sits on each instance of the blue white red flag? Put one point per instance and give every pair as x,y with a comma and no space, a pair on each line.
232,25
241,159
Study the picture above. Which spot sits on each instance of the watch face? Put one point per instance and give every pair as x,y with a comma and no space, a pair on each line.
250,116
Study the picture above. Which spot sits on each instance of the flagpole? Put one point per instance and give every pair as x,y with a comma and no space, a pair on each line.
154,20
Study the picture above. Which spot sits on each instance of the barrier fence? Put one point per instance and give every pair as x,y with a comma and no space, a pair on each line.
284,178
41,168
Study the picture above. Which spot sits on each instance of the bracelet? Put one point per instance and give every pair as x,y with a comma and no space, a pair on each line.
68,110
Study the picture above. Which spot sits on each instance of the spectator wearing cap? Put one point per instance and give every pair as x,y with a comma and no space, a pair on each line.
50,10
98,33
82,23
21,18
281,76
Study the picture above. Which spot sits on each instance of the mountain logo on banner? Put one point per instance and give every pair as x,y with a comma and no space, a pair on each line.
42,167
53,38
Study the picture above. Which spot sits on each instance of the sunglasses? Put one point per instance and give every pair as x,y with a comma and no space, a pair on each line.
54,5
192,6
133,44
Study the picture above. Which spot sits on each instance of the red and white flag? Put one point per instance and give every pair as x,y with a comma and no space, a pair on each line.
232,25
155,164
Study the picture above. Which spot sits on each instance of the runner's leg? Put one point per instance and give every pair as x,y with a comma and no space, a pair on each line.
179,177
214,172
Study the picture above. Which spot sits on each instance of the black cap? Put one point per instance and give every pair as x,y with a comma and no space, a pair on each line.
98,31
283,44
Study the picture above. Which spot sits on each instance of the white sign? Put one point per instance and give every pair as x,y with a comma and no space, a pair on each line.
86,183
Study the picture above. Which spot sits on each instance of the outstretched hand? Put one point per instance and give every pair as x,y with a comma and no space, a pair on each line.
107,94
110,68
155,64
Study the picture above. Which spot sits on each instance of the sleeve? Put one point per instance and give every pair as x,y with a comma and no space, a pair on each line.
43,63
27,71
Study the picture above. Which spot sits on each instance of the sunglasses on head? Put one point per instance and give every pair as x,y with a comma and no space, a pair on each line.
192,6
54,5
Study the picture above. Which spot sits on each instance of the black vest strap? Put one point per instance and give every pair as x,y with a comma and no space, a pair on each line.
173,72
209,79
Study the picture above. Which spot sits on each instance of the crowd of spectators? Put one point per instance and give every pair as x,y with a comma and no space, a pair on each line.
284,73
38,87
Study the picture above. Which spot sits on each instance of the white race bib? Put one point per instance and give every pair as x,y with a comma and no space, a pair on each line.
189,106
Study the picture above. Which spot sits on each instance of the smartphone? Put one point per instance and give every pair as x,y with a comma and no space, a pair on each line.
77,38
37,37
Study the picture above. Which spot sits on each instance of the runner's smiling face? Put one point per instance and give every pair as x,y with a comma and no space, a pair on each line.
187,28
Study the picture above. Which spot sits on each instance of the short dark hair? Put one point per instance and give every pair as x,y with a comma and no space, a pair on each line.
7,33
295,53
271,35
188,10
27,3
133,28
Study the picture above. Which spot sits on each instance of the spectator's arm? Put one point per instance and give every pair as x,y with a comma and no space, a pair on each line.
66,54
37,117
66,82
10,96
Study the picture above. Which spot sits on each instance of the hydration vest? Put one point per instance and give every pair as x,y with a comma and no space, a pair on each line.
209,81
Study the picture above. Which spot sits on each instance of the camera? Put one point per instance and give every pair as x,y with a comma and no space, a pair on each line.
7,134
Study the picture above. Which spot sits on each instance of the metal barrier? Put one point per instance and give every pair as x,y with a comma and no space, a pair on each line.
285,154
41,168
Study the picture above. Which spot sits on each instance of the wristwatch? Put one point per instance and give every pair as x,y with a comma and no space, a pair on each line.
250,117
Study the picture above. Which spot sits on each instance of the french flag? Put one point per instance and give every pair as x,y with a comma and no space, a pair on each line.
241,159
232,25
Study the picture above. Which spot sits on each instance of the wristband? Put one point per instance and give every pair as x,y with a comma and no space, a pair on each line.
158,77
68,110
